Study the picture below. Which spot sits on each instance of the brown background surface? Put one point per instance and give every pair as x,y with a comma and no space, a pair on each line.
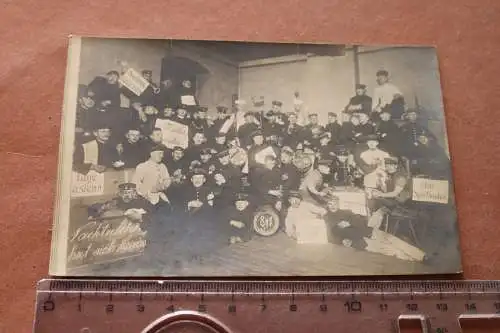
33,41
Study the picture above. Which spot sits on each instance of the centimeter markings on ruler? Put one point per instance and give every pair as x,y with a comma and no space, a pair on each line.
438,302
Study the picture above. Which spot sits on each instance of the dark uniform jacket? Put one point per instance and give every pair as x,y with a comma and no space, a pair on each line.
290,177
244,134
293,135
355,232
134,153
245,216
265,180
389,136
203,194
334,129
364,101
343,173
103,91
106,156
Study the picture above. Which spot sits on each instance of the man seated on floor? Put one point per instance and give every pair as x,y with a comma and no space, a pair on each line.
127,203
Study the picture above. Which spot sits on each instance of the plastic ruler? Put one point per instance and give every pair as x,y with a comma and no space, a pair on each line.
161,306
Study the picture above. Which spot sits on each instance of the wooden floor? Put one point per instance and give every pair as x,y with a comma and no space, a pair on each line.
280,255
267,256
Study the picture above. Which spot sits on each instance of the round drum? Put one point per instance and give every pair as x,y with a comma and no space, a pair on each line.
266,221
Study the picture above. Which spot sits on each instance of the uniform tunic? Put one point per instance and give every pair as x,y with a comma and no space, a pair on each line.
103,91
334,129
348,229
244,134
245,216
293,134
362,102
94,153
389,136
134,153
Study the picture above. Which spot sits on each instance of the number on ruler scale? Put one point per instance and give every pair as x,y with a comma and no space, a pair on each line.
323,307
470,307
231,308
110,308
443,307
383,307
353,306
140,307
49,306
412,307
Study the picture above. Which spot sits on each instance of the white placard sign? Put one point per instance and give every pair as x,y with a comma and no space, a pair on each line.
174,133
134,81
261,155
88,185
429,190
188,100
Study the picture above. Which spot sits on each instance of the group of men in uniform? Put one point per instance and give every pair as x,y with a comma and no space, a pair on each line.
242,158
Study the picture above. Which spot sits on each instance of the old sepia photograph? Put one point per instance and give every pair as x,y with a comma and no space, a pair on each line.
218,158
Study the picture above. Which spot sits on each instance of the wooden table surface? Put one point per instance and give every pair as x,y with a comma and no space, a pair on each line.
33,37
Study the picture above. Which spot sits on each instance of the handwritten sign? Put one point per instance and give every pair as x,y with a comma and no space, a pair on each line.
87,185
105,240
428,190
134,81
174,133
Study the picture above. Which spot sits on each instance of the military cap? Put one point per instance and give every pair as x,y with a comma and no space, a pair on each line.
206,151
277,103
287,150
113,73
314,114
223,153
147,71
221,109
332,114
182,106
178,148
369,137
382,72
241,197
102,125
360,86
202,109
194,164
127,186
270,113
341,151
325,162
198,171
157,148
256,133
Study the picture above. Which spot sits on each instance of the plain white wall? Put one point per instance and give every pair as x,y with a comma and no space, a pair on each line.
274,82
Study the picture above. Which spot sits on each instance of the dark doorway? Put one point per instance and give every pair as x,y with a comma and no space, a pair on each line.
178,69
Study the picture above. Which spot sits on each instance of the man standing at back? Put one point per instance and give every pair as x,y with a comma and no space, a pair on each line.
386,96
